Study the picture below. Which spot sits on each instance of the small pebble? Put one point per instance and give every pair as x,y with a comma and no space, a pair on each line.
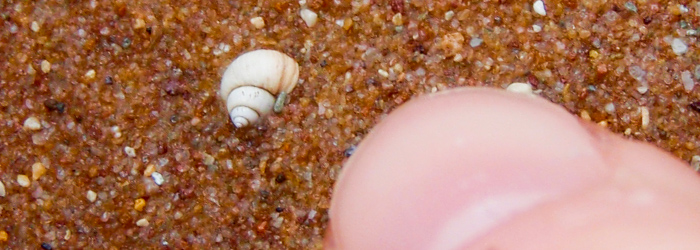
695,162
637,73
312,214
397,19
2,189
126,43
139,23
452,43
645,117
695,106
610,108
629,5
309,17
593,54
45,66
585,115
131,152
258,22
207,159
90,74
38,170
538,6
536,28
279,102
383,73
3,236
280,178
347,23
642,89
23,180
687,80
91,195
678,46
149,170
519,87
157,178
475,42
35,26
449,15
31,70
46,246
53,105
116,131
32,123
349,151
139,204
142,223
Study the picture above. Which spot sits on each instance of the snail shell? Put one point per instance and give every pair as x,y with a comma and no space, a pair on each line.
251,82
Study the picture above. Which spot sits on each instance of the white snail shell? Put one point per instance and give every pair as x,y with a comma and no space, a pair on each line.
250,83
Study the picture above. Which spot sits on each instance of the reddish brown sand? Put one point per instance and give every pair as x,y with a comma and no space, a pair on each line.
103,77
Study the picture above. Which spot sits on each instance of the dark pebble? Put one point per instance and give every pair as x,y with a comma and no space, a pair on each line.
532,80
264,194
279,209
173,87
126,43
46,246
695,106
280,178
647,20
324,63
162,148
109,80
53,105
419,48
371,81
396,5
349,151
616,8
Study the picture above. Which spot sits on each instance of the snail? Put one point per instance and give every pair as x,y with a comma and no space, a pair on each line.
252,80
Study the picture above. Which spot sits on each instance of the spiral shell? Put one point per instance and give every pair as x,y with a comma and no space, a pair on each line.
251,82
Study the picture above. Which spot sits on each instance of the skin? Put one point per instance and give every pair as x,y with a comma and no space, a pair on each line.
476,168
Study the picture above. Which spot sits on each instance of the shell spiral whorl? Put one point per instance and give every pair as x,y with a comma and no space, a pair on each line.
252,80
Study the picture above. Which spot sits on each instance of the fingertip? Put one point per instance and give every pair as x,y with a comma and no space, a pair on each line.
479,166
478,155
